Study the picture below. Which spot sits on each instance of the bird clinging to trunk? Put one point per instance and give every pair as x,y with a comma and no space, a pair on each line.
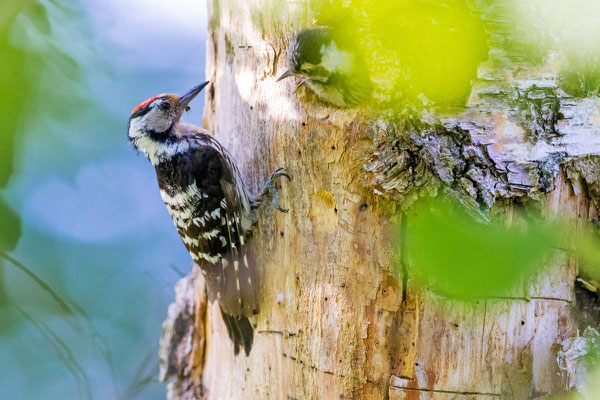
330,66
209,203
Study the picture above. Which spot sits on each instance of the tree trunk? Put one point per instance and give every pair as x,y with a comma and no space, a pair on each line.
339,318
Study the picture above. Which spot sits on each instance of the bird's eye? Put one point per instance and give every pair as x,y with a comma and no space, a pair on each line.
165,106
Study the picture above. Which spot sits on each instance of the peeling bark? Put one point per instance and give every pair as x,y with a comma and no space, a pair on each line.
340,316
183,339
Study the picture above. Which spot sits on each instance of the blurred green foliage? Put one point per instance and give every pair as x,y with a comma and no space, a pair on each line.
418,51
531,33
594,384
28,51
11,228
15,86
445,250
588,253
62,318
427,53
520,40
459,256
581,75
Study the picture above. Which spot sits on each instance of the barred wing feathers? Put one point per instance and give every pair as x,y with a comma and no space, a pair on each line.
214,225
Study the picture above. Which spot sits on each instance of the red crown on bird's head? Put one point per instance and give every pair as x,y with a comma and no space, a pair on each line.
146,103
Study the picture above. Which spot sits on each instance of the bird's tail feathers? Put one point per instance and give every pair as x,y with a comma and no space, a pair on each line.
240,330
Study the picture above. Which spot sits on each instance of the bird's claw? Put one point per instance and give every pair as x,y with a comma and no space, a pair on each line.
279,172
299,82
271,187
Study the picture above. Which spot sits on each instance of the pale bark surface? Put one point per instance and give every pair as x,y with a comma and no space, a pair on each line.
338,319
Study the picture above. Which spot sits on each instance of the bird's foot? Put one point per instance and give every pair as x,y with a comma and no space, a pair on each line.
270,188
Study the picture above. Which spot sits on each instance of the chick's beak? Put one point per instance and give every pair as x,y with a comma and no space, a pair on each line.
186,98
286,74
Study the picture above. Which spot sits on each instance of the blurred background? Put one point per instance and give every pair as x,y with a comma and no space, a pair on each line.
89,257
88,254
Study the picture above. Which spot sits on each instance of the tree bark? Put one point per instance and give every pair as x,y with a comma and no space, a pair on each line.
339,318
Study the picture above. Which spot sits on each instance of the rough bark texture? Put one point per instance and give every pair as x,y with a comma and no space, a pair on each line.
339,318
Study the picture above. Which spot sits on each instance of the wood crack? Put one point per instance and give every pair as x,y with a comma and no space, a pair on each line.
276,332
447,391
520,298
528,299
312,367
287,334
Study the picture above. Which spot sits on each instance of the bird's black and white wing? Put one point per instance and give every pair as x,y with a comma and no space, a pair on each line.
210,210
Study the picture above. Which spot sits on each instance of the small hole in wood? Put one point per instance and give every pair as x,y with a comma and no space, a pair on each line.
251,108
522,323
343,285
332,147
281,234
299,153
455,325
363,207
335,209
326,299
304,124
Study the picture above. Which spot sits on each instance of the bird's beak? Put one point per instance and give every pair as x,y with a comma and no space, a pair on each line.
186,98
286,74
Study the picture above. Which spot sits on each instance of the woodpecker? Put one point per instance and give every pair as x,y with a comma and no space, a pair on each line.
209,204
330,67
